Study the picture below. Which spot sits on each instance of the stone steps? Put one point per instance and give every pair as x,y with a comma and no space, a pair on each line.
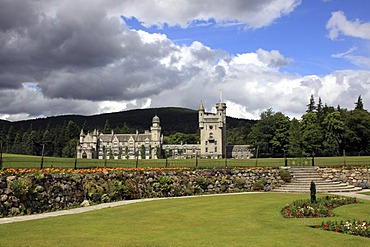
301,182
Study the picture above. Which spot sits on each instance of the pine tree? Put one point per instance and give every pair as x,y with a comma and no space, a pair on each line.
311,106
359,105
106,128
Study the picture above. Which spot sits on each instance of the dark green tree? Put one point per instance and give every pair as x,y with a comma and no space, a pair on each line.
359,105
311,107
280,140
263,132
142,152
333,131
311,134
106,128
295,138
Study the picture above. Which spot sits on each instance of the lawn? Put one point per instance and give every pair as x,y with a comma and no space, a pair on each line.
226,220
26,161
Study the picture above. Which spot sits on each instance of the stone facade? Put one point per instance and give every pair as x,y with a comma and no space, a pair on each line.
149,144
213,132
238,151
121,146
356,176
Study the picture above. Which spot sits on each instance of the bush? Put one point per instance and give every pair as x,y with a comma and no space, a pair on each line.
285,175
260,184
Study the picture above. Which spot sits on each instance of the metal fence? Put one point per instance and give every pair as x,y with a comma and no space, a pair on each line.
24,161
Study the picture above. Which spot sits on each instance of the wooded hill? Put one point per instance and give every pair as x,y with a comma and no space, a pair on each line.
60,133
173,119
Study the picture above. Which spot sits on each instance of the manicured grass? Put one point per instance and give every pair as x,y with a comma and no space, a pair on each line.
365,193
26,161
227,220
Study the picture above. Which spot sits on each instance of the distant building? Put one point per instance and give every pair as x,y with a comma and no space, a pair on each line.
149,144
121,146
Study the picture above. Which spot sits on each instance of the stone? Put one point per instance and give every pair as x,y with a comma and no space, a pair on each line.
85,203
3,198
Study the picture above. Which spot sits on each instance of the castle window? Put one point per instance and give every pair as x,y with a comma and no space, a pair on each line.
211,127
216,149
206,150
211,136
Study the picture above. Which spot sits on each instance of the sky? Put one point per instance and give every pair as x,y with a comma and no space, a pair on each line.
88,57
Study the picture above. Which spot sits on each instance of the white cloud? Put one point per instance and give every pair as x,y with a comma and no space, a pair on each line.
338,24
85,61
253,14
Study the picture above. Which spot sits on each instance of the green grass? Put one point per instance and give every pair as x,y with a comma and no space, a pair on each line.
227,220
365,193
26,161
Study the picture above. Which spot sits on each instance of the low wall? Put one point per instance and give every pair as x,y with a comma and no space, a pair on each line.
39,192
357,176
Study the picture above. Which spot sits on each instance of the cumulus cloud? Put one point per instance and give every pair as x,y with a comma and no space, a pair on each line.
61,57
338,24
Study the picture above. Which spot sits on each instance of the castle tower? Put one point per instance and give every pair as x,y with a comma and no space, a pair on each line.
155,132
213,131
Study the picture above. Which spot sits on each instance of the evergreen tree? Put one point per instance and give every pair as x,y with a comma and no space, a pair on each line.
359,105
295,138
280,140
311,106
106,128
311,133
334,129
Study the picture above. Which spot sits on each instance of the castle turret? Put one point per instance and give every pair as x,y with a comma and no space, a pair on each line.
213,131
201,115
155,132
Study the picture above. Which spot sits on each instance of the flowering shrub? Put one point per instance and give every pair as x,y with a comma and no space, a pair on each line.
355,227
322,207
20,171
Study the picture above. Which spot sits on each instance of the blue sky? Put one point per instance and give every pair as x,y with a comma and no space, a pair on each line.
92,56
301,35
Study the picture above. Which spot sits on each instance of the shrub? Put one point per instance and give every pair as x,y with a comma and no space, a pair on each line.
285,175
313,192
260,184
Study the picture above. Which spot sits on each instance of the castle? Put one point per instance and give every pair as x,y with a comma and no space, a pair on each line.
148,145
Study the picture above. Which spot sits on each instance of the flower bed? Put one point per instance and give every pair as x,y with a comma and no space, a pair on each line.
322,208
355,227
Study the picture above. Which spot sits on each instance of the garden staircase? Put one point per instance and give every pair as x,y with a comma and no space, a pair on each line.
301,181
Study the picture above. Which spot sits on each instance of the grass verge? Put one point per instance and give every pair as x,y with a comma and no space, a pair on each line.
226,220
27,161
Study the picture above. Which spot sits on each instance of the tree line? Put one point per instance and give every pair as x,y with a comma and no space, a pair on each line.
322,131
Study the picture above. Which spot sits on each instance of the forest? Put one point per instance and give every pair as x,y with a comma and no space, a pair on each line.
321,131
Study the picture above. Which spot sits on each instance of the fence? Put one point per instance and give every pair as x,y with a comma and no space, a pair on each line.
24,161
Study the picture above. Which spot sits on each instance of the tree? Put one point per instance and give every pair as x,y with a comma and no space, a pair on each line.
311,134
72,131
106,128
142,152
280,140
359,105
70,149
333,128
295,138
263,132
357,134
270,134
311,106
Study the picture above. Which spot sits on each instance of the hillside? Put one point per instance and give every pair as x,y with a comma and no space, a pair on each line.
173,119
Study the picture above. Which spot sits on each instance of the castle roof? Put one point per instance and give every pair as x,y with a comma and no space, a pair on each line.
155,119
